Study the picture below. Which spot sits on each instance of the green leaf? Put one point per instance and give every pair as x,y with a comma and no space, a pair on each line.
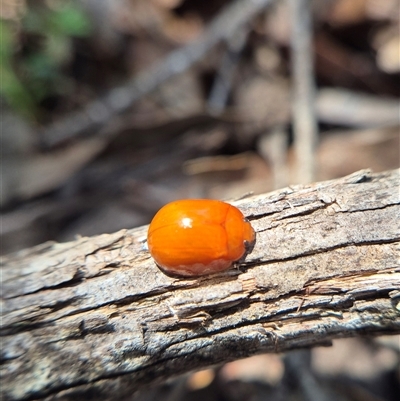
69,20
6,41
15,93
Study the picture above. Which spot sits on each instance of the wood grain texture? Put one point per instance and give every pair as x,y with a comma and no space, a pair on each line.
96,318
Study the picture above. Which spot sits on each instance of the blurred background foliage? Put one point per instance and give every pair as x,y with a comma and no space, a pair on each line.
35,47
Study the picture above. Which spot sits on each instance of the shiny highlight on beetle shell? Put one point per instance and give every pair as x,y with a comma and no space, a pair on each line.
196,237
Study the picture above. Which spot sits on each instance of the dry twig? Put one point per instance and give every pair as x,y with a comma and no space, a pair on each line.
304,119
96,317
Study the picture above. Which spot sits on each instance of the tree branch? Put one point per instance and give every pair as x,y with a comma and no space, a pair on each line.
96,318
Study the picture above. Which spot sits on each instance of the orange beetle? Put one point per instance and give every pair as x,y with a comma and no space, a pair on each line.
195,237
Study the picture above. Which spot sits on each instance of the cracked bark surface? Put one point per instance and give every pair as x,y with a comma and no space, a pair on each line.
95,318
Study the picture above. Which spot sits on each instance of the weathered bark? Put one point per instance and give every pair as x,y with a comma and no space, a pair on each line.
96,318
